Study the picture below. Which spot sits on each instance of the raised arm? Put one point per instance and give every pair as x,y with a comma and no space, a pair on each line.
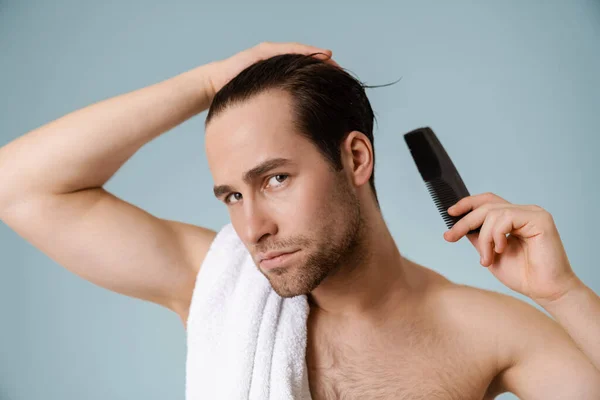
51,186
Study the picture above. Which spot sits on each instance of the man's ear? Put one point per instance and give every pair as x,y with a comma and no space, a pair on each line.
357,157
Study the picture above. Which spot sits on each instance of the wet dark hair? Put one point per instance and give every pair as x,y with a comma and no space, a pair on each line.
328,102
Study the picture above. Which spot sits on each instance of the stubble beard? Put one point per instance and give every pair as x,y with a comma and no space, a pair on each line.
333,250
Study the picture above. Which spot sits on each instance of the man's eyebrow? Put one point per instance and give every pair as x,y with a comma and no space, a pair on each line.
253,174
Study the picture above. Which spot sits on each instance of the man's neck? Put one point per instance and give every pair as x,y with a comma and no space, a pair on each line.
366,288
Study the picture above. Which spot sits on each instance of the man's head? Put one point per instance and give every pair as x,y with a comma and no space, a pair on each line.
290,145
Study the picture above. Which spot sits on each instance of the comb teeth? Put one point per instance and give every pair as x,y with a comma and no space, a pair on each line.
444,197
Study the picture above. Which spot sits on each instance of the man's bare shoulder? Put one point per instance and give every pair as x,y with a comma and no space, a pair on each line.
464,301
505,319
527,345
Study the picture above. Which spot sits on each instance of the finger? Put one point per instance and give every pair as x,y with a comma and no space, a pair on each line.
332,62
500,242
503,227
321,56
469,222
299,48
486,239
469,203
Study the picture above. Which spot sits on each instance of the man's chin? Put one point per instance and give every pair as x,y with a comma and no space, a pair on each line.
284,289
289,289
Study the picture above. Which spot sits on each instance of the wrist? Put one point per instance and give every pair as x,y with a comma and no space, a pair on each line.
574,288
198,82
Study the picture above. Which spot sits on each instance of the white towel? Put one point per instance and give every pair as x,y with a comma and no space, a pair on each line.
244,341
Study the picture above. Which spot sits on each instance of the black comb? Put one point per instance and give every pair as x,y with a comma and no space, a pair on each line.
443,182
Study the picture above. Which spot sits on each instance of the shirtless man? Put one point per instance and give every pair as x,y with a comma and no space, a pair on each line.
380,326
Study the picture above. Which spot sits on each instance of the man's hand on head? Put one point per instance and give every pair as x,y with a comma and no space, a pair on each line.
225,70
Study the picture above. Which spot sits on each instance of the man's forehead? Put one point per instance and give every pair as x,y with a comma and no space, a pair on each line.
236,131
247,134
252,143
245,148
232,164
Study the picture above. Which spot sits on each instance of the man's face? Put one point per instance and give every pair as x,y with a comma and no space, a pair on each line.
300,205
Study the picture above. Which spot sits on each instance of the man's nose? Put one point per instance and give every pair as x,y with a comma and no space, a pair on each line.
258,223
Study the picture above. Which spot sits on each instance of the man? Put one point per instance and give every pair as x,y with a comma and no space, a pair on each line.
290,146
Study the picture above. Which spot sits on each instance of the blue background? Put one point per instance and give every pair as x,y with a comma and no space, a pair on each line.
511,88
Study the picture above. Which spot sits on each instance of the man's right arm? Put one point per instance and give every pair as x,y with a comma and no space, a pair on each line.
51,193
52,178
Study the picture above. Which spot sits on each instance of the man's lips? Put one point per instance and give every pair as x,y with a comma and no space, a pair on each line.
272,254
276,259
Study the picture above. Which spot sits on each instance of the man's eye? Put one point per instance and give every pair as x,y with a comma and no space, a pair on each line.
274,181
277,179
237,197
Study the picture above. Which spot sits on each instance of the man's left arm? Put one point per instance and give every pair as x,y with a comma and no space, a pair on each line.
520,245
578,312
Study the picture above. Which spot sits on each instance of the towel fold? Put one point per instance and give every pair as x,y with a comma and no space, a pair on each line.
244,341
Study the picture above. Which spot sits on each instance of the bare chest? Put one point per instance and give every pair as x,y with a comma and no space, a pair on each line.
421,364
